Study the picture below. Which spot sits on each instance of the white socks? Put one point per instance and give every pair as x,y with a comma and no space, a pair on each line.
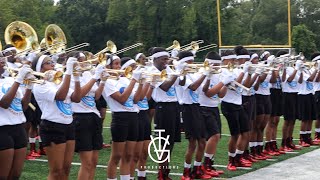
142,173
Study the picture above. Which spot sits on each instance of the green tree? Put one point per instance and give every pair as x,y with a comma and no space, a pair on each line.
303,40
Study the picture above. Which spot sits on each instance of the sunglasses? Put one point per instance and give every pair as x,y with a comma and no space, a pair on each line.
48,63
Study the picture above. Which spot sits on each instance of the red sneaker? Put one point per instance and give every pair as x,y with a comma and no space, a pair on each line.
42,152
304,144
106,145
33,153
186,174
210,172
316,141
197,173
240,162
231,167
28,157
285,149
250,158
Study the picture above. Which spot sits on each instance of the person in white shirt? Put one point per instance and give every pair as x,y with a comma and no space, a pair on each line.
276,98
316,85
232,109
194,124
290,91
9,51
57,129
306,104
122,102
166,112
88,125
263,107
210,92
13,137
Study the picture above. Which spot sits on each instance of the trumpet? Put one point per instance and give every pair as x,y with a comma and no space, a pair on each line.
30,78
126,72
155,77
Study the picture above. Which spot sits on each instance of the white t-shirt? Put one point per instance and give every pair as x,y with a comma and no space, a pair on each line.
290,87
87,103
264,87
232,96
276,85
316,85
158,95
189,96
209,101
14,114
53,110
306,87
252,91
113,86
143,104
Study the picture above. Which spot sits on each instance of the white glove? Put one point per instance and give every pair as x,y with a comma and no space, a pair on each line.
104,76
98,72
299,64
259,71
30,86
70,64
227,79
251,70
246,66
181,66
136,74
206,72
23,72
318,65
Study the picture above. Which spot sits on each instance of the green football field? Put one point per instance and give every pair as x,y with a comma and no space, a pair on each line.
38,169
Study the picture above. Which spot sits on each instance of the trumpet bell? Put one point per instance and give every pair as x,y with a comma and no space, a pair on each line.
55,35
21,35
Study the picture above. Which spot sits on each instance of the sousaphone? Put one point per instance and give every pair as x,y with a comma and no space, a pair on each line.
55,39
22,36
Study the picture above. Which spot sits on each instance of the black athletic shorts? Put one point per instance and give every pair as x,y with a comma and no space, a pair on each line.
152,104
249,106
306,107
168,119
317,103
124,126
211,116
101,103
290,106
193,121
263,104
276,102
33,116
88,131
57,133
144,125
238,120
13,137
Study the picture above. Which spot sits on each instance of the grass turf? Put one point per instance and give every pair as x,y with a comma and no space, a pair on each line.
39,170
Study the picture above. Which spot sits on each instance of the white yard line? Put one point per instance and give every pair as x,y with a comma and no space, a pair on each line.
148,171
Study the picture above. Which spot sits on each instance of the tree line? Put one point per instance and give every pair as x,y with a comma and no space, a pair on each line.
159,22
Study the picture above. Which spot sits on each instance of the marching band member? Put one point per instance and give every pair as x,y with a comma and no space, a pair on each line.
276,111
166,112
57,129
250,107
248,102
194,124
263,108
124,127
209,100
232,109
13,145
306,104
144,123
290,110
87,121
316,85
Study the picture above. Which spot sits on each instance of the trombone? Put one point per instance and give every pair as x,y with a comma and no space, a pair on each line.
111,46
